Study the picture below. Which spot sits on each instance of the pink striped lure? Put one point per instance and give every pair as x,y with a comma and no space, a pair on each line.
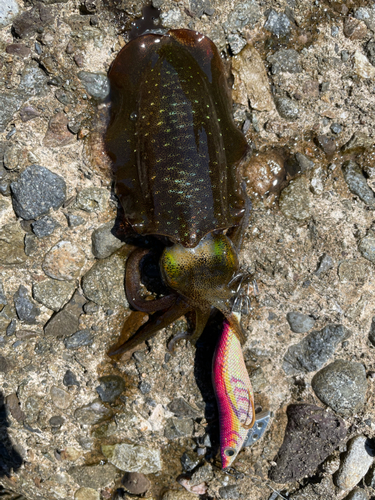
234,393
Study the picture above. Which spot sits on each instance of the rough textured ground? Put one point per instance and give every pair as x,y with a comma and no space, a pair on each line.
303,76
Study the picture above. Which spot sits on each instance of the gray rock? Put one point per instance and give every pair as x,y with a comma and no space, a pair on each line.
135,483
8,10
287,108
4,365
9,104
355,464
204,474
37,191
11,328
182,409
104,282
300,323
3,300
244,13
367,247
104,243
31,245
145,387
75,220
93,413
236,43
311,435
357,494
371,335
314,350
94,476
33,80
66,321
44,226
277,23
60,398
370,52
325,264
12,244
342,386
70,379
189,460
176,428
110,388
79,339
295,199
229,492
92,199
336,128
25,308
56,421
52,293
96,84
200,7
285,61
133,458
357,183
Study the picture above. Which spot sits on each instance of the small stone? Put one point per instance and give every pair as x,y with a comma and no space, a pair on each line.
79,339
314,350
33,80
353,270
29,113
9,104
342,386
133,458
182,409
357,183
8,10
311,435
172,18
357,494
135,483
362,66
244,13
104,243
277,23
287,108
11,328
17,49
64,261
300,323
3,300
236,43
371,335
200,7
104,282
60,398
344,55
295,199
370,52
93,199
356,463
26,310
176,428
285,61
14,407
111,386
354,29
327,144
96,84
93,413
336,128
367,247
44,226
70,379
56,421
75,220
358,143
66,321
52,293
58,134
12,244
86,494
144,387
229,492
325,264
37,191
189,460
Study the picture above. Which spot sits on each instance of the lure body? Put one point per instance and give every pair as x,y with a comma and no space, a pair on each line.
234,395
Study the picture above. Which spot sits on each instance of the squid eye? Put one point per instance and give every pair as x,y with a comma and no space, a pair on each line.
229,452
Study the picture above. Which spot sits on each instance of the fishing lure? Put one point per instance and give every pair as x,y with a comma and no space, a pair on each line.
234,394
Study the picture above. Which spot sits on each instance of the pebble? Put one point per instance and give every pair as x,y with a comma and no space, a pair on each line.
336,128
58,134
326,144
133,458
342,386
66,321
285,61
52,293
29,113
75,220
92,199
371,335
15,156
295,199
17,49
178,427
33,80
79,339
325,264
300,323
357,183
110,388
96,84
203,474
11,328
104,243
56,421
25,308
86,494
37,191
367,247
70,379
64,261
287,108
93,413
358,143
229,492
182,409
145,387
246,13
362,66
12,244
311,435
9,104
44,226
3,299
189,460
60,398
314,350
95,476
200,7
355,464
277,23
135,483
354,29
13,405
357,494
370,52
104,282
8,10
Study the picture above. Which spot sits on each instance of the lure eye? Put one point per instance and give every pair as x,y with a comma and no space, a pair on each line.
229,452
